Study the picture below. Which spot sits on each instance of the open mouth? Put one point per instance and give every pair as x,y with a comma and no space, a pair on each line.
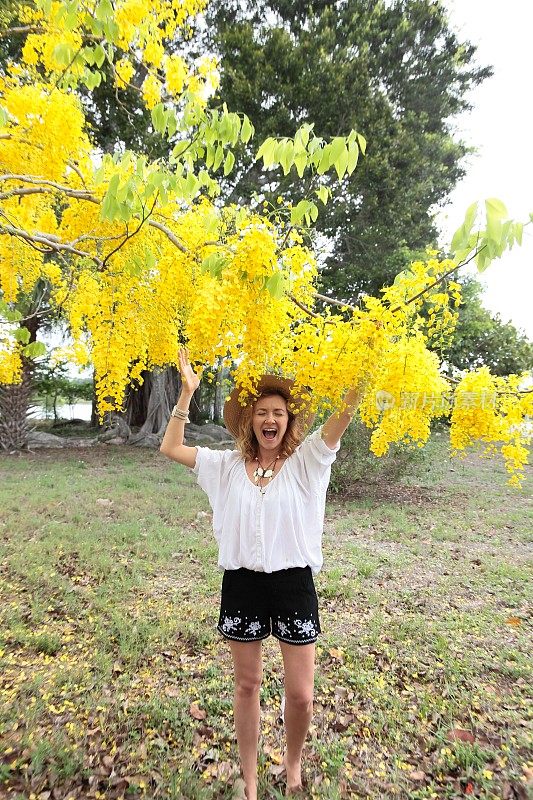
269,433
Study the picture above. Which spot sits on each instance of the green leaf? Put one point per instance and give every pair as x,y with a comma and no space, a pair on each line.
353,157
496,212
266,152
22,335
180,148
341,163
302,135
150,259
99,55
219,155
247,130
495,208
209,156
484,257
276,285
88,55
4,117
9,314
235,129
518,230
159,118
286,156
191,185
63,54
104,11
214,264
229,161
325,160
461,236
172,122
113,184
313,211
299,211
323,194
470,216
362,143
337,146
300,162
34,350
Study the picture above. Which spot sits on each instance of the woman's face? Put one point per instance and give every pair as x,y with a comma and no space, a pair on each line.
270,419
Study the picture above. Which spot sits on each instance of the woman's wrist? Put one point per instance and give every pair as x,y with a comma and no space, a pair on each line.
185,394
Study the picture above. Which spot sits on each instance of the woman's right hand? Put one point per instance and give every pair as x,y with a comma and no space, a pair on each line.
189,379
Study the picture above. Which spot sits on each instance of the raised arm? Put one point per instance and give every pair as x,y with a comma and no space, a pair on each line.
335,426
172,445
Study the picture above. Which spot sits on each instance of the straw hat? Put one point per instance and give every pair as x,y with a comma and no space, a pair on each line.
268,383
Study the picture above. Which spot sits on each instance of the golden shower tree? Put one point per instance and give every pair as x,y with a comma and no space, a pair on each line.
140,257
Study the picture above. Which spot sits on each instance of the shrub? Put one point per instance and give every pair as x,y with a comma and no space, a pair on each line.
356,463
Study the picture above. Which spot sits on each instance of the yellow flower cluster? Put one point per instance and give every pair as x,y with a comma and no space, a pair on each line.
491,409
138,29
10,361
404,394
255,256
45,131
176,73
434,311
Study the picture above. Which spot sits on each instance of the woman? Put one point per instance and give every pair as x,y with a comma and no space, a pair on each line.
268,500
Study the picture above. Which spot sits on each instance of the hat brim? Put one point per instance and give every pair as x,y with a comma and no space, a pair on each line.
268,383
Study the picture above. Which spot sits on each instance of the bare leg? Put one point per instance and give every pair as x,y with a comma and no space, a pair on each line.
248,671
299,663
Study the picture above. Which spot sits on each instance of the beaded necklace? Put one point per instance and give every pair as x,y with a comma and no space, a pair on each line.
261,473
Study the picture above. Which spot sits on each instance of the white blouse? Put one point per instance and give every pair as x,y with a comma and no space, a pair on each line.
276,530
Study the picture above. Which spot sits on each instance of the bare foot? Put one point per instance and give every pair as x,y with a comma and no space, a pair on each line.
243,792
294,776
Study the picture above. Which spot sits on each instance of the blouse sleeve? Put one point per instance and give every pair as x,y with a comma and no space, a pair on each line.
317,456
209,468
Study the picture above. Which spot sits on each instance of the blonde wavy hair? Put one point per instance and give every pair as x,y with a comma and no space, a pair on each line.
247,441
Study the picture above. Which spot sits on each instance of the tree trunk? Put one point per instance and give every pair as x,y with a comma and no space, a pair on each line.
14,403
154,400
138,401
95,422
15,399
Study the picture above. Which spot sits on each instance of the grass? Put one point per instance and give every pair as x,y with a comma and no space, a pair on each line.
109,597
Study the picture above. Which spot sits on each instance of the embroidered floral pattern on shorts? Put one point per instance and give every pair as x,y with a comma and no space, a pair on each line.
246,629
298,631
306,627
230,625
253,628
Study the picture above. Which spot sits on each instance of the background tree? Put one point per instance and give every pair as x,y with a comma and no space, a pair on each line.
394,71
483,339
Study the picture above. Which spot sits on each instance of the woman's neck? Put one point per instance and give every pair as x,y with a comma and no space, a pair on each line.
266,457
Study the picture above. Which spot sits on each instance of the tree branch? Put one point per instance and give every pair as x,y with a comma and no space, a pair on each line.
442,278
52,244
79,194
304,308
168,233
334,302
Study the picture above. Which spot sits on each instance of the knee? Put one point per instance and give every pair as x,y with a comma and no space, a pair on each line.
248,686
301,700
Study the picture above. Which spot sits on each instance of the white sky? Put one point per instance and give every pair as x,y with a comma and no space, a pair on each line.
499,128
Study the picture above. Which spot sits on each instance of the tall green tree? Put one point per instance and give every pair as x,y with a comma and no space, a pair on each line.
483,339
396,72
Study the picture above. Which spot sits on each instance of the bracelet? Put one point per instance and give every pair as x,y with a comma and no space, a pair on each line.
179,413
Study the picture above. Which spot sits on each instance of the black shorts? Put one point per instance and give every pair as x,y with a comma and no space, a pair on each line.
254,605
